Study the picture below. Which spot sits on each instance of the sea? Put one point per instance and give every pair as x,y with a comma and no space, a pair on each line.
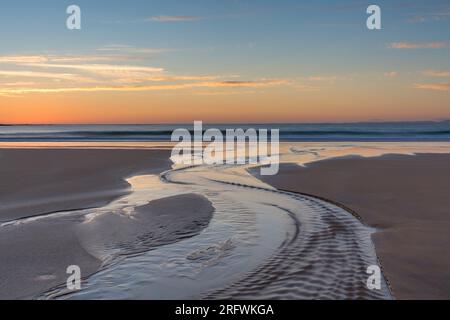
357,132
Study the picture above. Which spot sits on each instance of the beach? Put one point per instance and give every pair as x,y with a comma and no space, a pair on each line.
405,198
131,221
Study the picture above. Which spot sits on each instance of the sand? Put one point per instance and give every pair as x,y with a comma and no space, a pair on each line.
39,181
405,197
34,256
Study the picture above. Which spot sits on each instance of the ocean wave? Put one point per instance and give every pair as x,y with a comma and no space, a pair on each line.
288,132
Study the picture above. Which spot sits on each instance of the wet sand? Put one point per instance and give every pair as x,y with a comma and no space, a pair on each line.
405,197
39,181
34,256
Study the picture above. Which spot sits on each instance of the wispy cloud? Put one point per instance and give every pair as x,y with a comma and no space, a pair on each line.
62,73
174,18
108,53
429,17
439,74
46,75
416,19
322,78
58,58
248,84
92,58
139,78
305,88
433,86
163,87
19,84
127,49
99,67
418,45
391,74
224,93
23,59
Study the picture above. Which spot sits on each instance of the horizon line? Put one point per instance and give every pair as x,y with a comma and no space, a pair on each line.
223,123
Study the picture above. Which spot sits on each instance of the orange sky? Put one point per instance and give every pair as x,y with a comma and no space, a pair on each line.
346,101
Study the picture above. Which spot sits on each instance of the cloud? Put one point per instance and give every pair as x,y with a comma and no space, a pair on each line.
112,71
416,19
93,58
433,86
98,67
418,45
248,84
439,74
19,84
138,78
23,59
91,89
391,74
306,88
59,58
135,88
58,67
322,78
224,93
80,69
126,73
81,73
47,75
174,18
108,53
126,49
431,17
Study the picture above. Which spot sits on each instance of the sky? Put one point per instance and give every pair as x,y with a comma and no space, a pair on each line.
218,61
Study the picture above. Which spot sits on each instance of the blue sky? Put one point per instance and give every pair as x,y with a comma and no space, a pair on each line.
249,32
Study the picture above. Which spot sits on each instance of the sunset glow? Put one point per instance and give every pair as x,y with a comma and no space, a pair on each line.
142,65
